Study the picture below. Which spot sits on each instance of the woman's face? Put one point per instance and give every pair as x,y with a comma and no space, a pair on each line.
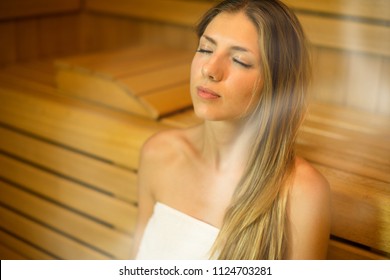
225,74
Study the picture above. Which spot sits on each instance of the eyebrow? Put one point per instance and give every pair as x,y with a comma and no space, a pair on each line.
236,48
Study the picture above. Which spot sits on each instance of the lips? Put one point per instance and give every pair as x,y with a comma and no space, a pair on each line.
206,93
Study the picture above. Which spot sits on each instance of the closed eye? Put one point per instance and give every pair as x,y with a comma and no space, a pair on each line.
203,51
245,65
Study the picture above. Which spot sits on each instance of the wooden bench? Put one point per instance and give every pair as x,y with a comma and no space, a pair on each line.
350,40
69,155
351,149
68,166
145,80
67,176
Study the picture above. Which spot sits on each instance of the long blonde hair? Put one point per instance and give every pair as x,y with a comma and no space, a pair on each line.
255,224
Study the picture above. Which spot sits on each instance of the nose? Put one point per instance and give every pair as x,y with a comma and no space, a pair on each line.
212,70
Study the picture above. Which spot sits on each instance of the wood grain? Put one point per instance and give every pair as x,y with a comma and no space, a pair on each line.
25,8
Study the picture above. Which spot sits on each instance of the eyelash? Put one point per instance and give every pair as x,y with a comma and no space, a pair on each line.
235,60
242,64
203,51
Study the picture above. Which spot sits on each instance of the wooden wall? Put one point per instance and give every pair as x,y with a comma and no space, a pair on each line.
60,156
38,29
350,39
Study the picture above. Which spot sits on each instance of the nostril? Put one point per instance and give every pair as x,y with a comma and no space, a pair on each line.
210,72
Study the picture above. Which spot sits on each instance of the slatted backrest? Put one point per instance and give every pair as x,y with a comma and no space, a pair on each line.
351,8
351,149
349,41
66,197
61,157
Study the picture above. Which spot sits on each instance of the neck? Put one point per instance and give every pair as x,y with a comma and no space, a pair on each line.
227,144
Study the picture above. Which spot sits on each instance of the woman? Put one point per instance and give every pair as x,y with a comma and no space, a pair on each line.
232,188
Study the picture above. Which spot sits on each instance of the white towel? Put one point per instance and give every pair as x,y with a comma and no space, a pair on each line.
173,235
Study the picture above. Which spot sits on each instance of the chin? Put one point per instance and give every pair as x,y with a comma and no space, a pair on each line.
207,115
211,115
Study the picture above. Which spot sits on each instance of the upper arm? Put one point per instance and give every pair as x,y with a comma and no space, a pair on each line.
309,215
145,197
152,177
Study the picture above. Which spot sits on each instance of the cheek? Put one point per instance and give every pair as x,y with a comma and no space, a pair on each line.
247,89
195,68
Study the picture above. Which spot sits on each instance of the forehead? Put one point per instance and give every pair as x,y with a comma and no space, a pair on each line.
234,29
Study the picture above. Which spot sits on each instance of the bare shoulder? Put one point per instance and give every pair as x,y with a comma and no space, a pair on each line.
156,153
309,213
163,157
165,153
164,146
308,182
157,145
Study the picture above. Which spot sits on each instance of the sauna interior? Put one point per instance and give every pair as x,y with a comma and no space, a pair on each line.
83,83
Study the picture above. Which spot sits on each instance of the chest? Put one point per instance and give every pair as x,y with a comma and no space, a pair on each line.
198,191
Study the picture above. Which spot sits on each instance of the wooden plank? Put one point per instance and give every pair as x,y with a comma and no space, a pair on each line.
49,240
169,100
92,129
340,129
141,84
59,35
27,250
342,251
42,65
368,9
360,208
8,50
368,136
105,32
26,72
26,8
172,11
345,145
346,162
123,27
27,44
101,90
336,123
346,35
8,254
345,117
49,29
177,36
87,231
364,75
106,79
324,31
24,84
152,32
111,211
93,40
107,177
109,57
383,105
329,81
151,61
69,37
40,37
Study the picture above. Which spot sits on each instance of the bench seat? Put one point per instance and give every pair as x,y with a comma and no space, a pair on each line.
69,164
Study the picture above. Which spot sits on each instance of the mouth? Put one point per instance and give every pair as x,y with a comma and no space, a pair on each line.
206,93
